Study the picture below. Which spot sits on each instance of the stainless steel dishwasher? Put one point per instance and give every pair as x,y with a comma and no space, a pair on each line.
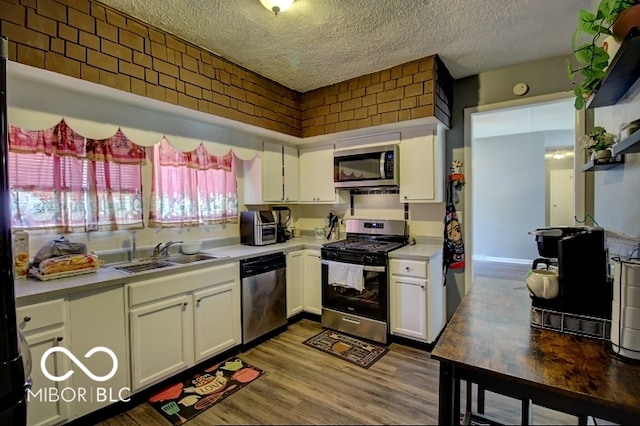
264,289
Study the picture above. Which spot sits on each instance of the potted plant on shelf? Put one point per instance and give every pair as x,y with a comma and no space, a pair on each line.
598,143
592,55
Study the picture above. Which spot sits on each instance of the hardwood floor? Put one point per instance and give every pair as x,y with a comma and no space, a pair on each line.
501,270
302,385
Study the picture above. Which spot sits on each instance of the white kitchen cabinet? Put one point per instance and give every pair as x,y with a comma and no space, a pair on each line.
272,176
178,320
316,176
417,298
312,282
97,318
295,282
161,340
291,174
217,319
422,166
272,179
44,326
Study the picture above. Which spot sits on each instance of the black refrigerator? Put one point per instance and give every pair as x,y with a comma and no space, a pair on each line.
13,377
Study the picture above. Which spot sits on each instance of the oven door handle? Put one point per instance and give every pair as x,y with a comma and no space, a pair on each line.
366,268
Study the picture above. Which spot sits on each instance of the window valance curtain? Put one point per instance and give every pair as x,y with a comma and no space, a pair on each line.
64,182
61,140
197,159
192,188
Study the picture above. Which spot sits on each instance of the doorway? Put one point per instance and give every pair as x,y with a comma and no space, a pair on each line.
521,178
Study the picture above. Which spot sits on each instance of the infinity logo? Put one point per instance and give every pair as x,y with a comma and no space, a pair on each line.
77,362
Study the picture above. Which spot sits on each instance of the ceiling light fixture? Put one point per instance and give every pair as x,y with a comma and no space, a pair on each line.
277,6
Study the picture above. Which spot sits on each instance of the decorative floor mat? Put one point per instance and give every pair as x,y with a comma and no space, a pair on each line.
356,351
183,401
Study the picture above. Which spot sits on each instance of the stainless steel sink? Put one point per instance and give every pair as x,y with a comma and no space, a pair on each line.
190,258
142,266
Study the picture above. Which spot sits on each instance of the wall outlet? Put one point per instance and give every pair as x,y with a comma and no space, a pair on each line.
459,214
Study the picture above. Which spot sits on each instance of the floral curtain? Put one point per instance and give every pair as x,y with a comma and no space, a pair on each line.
63,182
192,188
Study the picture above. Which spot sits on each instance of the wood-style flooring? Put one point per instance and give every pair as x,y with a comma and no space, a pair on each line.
302,385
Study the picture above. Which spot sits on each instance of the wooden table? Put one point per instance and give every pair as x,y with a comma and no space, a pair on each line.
489,341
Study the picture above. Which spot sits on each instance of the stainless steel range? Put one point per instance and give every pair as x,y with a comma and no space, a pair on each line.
355,286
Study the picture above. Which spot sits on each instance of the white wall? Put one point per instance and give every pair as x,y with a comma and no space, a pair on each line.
425,220
508,194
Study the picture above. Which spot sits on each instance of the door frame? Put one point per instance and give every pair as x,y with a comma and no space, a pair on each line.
579,177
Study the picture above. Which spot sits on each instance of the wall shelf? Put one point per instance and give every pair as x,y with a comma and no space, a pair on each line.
628,145
623,72
594,165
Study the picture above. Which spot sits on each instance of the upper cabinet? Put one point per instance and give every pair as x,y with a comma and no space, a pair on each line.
273,176
316,176
422,166
291,174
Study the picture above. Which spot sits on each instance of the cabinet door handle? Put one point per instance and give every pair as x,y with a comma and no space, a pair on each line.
59,339
198,301
185,303
407,283
407,268
27,318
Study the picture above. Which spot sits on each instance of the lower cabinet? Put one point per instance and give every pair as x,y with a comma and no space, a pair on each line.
295,282
161,339
178,320
312,282
417,298
97,319
44,326
217,319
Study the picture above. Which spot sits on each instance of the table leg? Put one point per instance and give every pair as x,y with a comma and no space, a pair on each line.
480,401
527,412
449,396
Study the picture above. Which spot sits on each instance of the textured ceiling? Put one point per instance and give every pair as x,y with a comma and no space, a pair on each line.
320,42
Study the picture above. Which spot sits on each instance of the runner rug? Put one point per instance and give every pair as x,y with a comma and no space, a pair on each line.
183,401
356,351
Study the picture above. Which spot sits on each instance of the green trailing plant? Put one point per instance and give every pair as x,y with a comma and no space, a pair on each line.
591,56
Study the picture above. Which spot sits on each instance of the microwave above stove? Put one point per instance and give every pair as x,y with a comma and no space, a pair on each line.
366,167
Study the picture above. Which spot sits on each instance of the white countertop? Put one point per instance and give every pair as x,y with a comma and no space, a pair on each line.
33,290
416,252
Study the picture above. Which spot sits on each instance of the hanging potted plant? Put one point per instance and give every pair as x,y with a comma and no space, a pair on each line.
598,143
591,55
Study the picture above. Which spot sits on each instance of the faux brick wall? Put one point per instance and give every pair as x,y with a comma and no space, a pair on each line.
417,89
87,40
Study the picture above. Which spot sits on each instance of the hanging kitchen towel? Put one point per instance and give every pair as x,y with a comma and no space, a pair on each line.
453,245
346,275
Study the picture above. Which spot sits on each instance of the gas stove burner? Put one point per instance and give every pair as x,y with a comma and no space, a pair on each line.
364,245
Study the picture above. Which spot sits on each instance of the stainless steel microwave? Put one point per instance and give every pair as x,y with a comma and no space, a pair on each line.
366,167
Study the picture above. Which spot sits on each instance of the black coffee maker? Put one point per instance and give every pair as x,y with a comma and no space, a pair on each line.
284,217
581,258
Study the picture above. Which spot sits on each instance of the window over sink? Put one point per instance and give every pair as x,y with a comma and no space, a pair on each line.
63,182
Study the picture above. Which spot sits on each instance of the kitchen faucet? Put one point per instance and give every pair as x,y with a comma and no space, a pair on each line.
164,251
